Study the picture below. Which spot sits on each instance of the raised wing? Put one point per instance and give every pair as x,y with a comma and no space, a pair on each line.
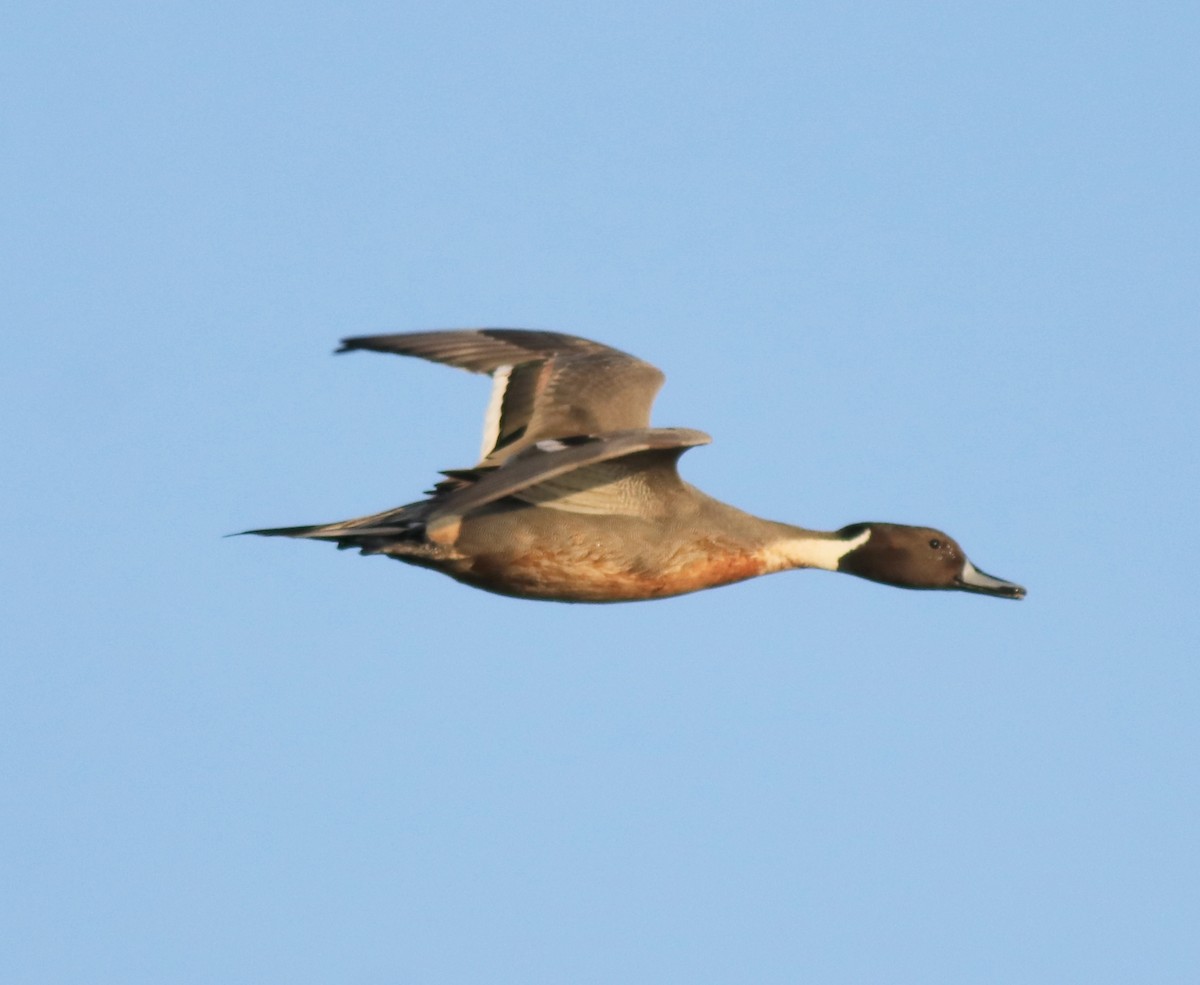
545,384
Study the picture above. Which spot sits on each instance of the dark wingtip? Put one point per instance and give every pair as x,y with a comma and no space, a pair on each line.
357,343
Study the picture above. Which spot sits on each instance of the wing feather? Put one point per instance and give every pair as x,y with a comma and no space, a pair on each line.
560,470
547,384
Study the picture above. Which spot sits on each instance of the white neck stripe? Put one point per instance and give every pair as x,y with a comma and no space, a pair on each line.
814,552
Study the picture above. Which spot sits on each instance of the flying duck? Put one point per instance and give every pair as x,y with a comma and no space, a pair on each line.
576,498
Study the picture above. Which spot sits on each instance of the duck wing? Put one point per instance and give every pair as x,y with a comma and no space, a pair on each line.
622,472
544,384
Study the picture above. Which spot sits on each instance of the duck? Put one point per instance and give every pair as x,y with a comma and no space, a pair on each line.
576,498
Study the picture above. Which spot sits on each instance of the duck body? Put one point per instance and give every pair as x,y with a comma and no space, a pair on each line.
577,499
531,552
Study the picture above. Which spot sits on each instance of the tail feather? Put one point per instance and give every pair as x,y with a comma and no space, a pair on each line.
371,534
308,531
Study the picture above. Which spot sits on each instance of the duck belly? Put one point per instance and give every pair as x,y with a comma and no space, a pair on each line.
539,553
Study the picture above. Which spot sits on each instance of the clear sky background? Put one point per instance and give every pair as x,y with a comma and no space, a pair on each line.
929,262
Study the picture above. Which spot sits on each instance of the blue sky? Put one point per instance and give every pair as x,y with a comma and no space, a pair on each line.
930,263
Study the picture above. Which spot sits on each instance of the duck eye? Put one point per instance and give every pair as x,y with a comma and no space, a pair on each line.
935,543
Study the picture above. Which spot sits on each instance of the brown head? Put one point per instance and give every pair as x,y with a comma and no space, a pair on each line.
917,557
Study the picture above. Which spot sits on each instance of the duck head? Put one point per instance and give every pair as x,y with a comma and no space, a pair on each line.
917,557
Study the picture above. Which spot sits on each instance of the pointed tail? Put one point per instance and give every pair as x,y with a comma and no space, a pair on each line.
371,534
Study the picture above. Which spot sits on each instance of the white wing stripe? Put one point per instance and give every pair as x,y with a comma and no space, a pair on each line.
491,419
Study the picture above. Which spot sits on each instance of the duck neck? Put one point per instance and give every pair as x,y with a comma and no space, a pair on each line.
795,547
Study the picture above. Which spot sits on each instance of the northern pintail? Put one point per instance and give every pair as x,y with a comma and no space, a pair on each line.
576,498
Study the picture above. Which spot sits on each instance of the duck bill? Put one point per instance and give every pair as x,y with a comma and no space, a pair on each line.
974,580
